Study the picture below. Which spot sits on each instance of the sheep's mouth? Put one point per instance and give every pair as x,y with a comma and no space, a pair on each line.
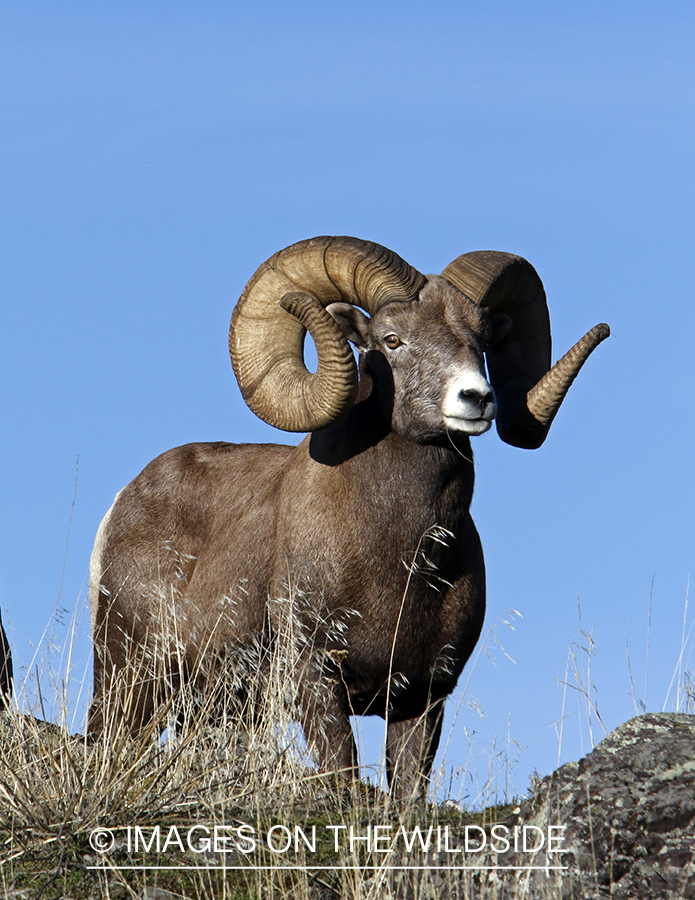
468,426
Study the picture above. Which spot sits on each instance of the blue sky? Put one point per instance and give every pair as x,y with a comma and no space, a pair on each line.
154,154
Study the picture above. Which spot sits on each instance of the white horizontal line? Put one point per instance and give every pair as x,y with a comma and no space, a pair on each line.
337,868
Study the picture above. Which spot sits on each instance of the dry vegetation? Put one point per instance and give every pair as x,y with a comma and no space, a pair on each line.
69,811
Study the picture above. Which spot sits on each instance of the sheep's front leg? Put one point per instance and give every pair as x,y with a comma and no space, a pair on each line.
411,745
326,724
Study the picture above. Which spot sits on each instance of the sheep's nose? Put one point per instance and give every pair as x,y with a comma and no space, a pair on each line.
472,395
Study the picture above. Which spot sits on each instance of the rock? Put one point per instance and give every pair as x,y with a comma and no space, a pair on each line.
629,812
155,893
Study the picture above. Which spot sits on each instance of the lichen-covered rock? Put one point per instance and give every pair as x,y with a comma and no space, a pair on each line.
629,812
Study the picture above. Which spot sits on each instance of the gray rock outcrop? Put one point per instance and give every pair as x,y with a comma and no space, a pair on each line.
629,814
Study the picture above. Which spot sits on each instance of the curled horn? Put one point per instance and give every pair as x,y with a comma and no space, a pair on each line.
286,297
529,392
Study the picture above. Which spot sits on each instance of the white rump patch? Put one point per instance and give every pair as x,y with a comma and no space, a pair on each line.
95,564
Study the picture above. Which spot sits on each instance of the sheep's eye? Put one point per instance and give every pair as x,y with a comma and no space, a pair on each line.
392,341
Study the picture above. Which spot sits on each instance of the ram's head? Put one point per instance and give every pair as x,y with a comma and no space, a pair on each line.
483,302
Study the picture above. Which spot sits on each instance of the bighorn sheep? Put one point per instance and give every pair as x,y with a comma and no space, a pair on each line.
222,526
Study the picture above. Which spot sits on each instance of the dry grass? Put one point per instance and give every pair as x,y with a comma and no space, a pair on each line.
70,811
63,800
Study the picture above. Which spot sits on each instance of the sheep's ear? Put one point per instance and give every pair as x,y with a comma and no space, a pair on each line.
353,323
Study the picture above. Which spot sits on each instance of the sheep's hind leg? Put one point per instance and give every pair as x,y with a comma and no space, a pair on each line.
132,688
124,703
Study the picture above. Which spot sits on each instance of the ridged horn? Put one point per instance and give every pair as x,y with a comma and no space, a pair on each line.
286,297
529,392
